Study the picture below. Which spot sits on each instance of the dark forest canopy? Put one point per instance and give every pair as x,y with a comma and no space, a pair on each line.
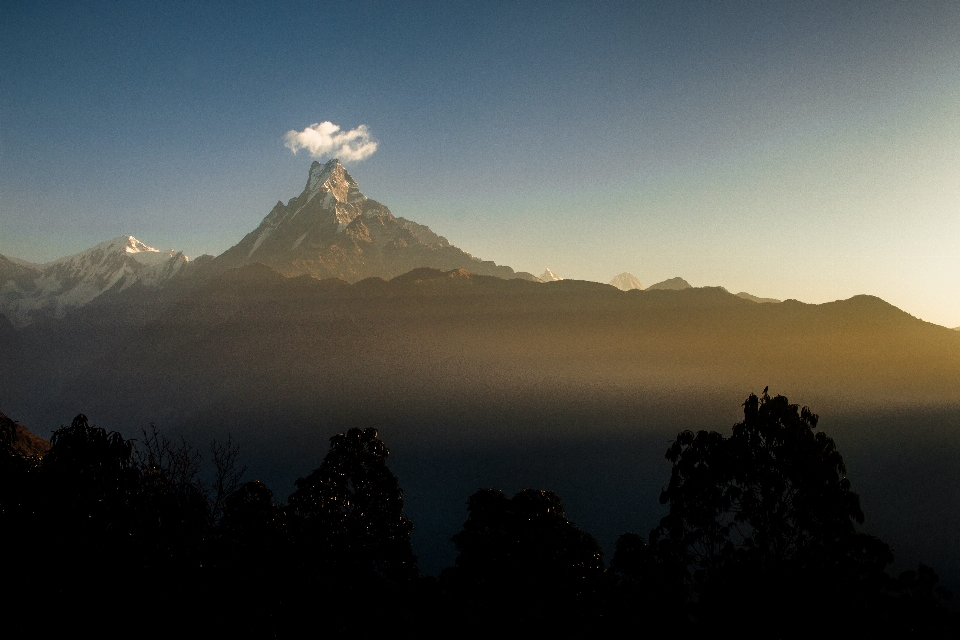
764,515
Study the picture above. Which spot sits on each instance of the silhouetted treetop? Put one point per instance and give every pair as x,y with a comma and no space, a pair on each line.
774,489
352,508
523,550
89,469
768,515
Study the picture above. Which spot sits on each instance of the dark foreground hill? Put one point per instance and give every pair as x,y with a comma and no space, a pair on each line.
479,381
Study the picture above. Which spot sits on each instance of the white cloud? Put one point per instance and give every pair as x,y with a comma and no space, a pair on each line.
326,139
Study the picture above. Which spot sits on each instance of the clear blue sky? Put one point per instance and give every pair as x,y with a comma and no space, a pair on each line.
793,150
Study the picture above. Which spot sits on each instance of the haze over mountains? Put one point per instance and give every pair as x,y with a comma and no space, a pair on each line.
334,236
335,313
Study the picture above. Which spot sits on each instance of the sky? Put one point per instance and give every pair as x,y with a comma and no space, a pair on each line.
806,150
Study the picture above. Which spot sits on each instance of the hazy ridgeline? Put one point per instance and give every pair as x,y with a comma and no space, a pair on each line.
477,382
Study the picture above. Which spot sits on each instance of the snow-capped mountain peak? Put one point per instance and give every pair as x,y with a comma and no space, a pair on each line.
125,245
332,178
333,230
330,201
129,244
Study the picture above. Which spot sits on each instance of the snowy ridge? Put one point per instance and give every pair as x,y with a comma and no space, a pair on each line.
67,283
334,180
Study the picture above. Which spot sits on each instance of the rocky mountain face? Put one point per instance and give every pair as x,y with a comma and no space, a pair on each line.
31,291
626,282
332,230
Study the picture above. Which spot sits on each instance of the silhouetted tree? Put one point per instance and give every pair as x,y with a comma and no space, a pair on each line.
17,474
767,517
643,583
227,474
85,522
250,518
916,607
90,480
254,566
172,506
19,499
350,513
520,560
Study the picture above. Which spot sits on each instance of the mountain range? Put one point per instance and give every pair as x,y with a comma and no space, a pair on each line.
29,291
331,230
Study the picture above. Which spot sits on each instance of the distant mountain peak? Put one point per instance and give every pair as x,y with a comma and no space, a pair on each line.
333,230
549,276
128,245
626,282
132,245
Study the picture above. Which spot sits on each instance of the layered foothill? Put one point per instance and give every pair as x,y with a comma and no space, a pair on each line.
752,298
253,342
679,284
673,284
